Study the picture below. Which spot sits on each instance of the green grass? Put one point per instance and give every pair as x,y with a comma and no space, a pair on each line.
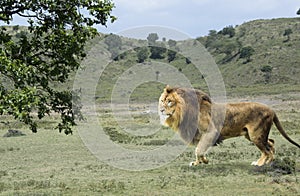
49,163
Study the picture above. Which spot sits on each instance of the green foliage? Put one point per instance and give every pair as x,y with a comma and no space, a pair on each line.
247,52
267,70
16,27
13,133
228,31
157,51
114,43
142,54
287,32
240,66
152,38
211,38
172,43
219,43
47,53
171,55
229,47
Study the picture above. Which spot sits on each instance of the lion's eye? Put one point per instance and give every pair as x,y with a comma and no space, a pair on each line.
169,103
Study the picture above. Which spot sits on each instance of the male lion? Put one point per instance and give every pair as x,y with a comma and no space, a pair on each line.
202,123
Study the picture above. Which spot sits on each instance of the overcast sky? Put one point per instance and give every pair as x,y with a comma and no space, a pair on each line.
189,18
196,17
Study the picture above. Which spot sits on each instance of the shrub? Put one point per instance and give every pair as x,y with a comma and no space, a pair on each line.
13,133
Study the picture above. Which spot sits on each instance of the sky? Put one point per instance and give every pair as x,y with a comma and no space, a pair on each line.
181,19
194,18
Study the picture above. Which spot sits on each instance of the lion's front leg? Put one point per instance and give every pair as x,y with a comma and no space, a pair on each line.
207,140
199,159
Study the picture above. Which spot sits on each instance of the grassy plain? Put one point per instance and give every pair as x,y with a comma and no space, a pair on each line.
49,163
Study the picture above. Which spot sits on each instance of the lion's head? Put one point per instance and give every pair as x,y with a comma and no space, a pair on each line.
179,109
170,108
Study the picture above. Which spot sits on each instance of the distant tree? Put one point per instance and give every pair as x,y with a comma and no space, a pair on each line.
267,70
211,38
246,53
21,34
114,43
188,61
51,50
157,52
152,38
212,33
164,39
228,31
287,33
115,54
172,43
16,27
171,55
229,48
142,54
157,75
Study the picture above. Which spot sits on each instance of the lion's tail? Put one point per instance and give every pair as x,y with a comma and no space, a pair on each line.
281,130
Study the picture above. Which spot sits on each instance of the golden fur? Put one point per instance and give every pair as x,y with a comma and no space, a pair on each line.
202,123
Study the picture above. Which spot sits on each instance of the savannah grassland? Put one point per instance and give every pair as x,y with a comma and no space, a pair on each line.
51,163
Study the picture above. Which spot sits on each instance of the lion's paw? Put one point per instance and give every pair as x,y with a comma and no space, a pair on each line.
194,163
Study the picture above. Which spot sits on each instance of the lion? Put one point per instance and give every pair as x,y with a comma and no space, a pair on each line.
203,123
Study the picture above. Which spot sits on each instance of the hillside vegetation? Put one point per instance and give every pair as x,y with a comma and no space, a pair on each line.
275,59
257,57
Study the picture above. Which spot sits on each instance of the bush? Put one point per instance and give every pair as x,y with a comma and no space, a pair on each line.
266,69
13,133
228,31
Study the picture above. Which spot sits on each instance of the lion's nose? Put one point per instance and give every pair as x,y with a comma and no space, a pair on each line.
162,110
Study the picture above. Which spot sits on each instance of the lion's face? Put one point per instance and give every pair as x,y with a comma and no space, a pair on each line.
169,108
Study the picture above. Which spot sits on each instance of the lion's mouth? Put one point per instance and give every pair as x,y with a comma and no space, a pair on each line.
163,117
166,115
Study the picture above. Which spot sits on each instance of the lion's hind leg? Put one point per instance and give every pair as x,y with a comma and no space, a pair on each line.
271,148
271,145
260,138
266,158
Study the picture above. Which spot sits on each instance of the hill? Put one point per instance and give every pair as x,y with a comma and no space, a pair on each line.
256,57
276,56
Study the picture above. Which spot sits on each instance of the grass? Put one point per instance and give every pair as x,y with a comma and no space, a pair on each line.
49,163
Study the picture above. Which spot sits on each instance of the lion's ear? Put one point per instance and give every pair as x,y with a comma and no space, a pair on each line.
168,89
205,97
